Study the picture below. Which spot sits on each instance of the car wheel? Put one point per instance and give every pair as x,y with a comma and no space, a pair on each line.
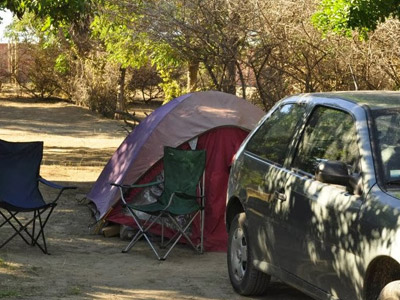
244,277
391,291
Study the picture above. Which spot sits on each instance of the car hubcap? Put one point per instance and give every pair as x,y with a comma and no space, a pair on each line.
239,254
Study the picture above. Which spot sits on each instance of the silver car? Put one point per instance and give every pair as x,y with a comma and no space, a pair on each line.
314,198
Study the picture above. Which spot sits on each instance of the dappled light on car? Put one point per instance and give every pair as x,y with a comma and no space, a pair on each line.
326,211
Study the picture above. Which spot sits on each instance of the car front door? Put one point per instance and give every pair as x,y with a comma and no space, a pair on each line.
319,219
263,177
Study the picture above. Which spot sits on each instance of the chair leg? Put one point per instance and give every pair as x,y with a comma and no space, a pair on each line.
152,247
138,234
183,230
171,239
33,236
42,225
136,238
142,232
162,233
172,246
17,231
143,229
182,233
202,231
133,241
41,233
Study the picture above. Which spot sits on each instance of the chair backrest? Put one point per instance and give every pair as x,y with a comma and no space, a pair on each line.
19,173
182,172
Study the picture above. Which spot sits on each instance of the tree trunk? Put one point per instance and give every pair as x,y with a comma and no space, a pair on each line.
120,93
231,54
229,85
242,80
214,79
193,70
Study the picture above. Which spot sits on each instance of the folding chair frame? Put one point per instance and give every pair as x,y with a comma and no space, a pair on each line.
30,237
143,229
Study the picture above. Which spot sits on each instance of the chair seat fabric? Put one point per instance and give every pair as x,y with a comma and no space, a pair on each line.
19,174
182,206
11,207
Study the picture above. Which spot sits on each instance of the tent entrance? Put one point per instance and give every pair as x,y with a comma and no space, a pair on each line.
221,144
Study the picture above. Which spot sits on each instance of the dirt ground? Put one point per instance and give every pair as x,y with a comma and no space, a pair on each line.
83,265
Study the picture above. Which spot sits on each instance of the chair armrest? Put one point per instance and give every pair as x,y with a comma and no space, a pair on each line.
54,185
132,186
184,195
124,187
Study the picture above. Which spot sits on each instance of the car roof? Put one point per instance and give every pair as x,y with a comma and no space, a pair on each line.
373,99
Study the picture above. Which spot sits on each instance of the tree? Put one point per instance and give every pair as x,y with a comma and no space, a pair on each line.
117,26
343,16
56,13
121,44
37,61
210,36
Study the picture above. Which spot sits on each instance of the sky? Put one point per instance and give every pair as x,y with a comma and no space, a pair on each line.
7,19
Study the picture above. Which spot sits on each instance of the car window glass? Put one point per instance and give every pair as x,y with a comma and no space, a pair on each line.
272,139
329,135
387,123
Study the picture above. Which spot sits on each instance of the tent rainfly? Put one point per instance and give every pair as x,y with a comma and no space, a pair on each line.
214,121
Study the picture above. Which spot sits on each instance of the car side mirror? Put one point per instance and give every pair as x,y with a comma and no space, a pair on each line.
332,171
336,172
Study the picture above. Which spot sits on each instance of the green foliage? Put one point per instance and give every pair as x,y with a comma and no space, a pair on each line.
171,90
167,62
75,290
122,44
9,294
56,13
126,45
333,15
40,65
62,64
343,16
26,29
269,50
4,264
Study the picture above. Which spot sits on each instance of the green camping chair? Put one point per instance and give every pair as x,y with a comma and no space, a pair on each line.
183,195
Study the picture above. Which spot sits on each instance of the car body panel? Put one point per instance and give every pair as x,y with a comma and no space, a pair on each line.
316,236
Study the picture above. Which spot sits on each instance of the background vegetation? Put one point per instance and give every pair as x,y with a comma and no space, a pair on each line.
103,54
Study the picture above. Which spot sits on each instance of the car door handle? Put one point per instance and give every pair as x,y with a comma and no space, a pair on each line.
280,195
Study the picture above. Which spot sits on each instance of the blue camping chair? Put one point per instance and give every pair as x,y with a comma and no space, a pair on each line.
19,192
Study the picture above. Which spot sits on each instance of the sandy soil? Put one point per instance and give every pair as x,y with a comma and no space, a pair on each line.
83,265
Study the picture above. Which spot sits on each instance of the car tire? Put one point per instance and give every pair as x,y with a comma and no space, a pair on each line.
391,291
244,277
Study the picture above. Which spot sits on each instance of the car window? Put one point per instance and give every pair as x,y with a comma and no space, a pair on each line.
330,134
272,139
387,134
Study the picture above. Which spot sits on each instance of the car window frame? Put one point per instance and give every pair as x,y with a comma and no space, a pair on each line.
303,129
377,158
299,126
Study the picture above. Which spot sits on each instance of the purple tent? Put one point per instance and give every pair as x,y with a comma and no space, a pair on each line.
173,124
